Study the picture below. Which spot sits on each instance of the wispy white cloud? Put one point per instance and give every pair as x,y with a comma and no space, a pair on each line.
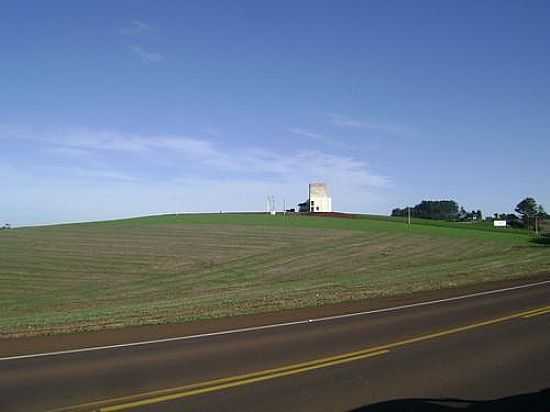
156,173
125,142
135,27
344,121
201,151
67,151
308,133
331,141
145,55
100,174
213,131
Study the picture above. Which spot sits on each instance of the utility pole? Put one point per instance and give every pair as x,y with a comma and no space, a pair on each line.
409,215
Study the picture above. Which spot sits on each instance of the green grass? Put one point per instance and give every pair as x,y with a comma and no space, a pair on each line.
170,268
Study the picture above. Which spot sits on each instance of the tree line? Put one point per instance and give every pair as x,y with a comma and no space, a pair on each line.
431,209
529,214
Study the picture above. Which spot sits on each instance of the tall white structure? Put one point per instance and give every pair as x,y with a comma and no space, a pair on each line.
319,198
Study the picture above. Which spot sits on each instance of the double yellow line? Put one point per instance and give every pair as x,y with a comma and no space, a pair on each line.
149,398
538,312
220,384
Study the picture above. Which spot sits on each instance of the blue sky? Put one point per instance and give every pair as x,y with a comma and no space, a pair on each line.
112,109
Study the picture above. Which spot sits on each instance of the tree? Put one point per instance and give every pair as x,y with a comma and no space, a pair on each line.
542,218
432,209
437,209
397,212
513,220
527,209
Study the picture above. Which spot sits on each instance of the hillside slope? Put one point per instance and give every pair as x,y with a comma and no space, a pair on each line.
176,268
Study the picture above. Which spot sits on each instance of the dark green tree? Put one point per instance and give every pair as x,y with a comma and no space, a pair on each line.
527,209
397,212
432,209
437,209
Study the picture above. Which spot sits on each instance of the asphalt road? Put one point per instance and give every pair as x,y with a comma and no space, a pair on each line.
484,353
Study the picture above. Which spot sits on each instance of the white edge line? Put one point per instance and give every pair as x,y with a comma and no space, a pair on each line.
275,325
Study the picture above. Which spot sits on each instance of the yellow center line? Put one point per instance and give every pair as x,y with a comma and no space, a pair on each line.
237,383
537,313
222,381
132,401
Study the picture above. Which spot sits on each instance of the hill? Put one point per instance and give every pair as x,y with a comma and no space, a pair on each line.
174,268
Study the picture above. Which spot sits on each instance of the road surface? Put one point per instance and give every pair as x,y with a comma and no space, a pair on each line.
485,352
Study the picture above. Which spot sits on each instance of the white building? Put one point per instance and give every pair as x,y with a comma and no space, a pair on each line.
319,198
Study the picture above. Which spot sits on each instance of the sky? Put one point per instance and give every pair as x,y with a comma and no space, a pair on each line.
114,109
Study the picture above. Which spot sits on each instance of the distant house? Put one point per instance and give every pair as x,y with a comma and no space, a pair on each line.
319,199
303,207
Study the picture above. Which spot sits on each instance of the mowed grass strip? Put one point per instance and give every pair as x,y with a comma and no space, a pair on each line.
171,268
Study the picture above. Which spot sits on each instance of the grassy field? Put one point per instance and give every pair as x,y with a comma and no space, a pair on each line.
171,268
